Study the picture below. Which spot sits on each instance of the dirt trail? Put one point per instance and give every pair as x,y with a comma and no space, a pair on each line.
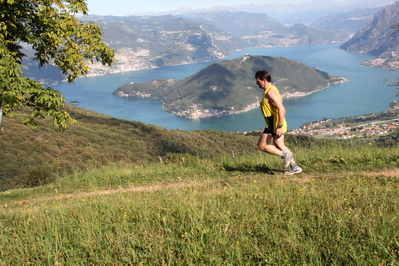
146,188
149,188
391,173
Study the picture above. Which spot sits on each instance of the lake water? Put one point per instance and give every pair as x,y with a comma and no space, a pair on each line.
364,92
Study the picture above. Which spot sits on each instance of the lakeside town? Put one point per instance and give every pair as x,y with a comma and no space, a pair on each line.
361,126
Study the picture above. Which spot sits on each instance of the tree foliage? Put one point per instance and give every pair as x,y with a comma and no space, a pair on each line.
51,28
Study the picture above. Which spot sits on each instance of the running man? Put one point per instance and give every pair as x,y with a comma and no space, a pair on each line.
274,113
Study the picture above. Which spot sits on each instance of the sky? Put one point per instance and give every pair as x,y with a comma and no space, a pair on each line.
129,7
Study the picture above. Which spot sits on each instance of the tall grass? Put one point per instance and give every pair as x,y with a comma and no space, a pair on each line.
236,211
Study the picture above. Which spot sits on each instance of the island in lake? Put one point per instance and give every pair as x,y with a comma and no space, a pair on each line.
228,87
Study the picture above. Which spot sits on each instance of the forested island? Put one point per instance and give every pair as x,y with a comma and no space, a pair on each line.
228,87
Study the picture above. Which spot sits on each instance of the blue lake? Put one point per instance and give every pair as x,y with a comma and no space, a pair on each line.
364,92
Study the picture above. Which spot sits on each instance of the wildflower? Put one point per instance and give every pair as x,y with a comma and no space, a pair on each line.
254,181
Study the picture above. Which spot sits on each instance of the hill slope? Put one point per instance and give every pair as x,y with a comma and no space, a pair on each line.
377,37
29,157
348,22
229,87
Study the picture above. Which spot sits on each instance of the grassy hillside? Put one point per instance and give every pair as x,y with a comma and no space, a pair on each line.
241,210
32,157
123,193
28,157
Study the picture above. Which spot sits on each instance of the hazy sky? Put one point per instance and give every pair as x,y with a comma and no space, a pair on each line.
129,7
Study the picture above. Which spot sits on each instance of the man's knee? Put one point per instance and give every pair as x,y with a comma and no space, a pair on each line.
261,146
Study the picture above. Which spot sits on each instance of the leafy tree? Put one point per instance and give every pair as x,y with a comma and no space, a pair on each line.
51,28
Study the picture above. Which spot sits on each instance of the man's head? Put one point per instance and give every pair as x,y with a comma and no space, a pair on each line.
262,75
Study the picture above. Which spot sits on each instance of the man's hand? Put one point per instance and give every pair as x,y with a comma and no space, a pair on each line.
279,132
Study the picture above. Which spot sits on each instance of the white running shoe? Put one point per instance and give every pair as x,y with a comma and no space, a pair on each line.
293,171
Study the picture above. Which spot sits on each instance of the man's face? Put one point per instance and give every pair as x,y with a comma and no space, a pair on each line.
259,83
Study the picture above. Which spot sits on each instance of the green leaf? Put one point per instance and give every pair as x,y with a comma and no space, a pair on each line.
56,34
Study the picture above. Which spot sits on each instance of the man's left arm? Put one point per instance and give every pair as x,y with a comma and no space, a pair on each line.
276,102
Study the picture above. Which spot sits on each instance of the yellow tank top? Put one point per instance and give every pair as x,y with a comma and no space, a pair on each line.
269,110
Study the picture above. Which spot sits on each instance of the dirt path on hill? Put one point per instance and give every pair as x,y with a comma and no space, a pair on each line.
150,188
391,173
145,188
303,178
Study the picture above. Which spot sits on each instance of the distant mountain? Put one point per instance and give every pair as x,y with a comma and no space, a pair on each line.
305,13
348,22
263,31
308,12
238,23
228,87
379,38
152,42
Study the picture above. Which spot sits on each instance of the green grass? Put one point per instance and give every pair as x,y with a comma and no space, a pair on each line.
342,210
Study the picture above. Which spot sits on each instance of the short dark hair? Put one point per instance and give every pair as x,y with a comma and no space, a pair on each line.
263,75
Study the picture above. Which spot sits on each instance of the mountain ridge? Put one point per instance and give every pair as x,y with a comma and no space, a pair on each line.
378,38
287,13
148,42
348,21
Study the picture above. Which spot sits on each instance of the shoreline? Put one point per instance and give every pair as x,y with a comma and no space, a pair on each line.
195,113
199,114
